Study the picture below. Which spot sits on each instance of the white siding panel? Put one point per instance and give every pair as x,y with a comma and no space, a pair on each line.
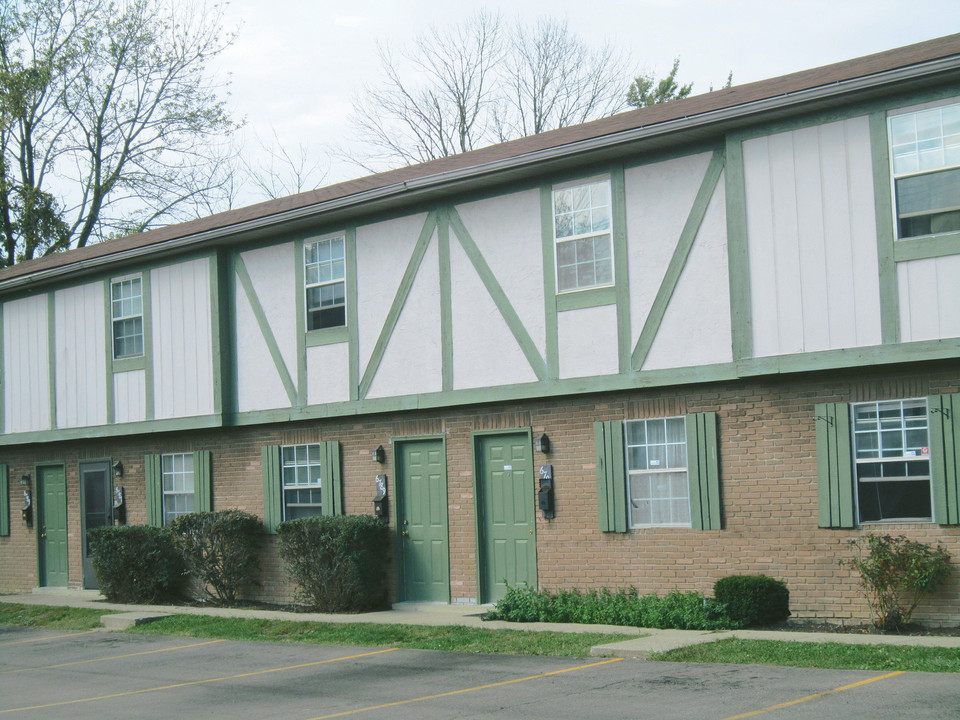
271,271
26,360
485,353
413,359
129,394
182,342
517,265
383,252
696,326
328,374
812,239
259,386
588,342
658,202
80,351
929,298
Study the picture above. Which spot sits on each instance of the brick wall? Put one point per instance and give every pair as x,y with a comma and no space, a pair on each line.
768,488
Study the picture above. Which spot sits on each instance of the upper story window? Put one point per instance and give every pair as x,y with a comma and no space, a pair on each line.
582,234
892,452
126,309
301,477
179,498
925,151
324,273
659,491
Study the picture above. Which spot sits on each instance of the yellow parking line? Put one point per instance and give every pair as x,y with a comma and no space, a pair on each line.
194,682
49,637
465,690
815,696
112,657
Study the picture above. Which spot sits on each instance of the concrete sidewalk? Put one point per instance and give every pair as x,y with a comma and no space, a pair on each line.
647,640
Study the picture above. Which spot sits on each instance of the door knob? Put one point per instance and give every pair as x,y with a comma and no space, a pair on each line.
531,532
405,534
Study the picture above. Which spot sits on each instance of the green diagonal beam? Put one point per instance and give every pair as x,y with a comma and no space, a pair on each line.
672,277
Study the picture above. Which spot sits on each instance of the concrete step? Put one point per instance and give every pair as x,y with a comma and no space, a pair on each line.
123,621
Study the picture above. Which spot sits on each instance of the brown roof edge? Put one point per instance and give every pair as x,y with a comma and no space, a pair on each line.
732,97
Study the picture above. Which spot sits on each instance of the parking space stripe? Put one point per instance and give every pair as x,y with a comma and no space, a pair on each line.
50,637
464,690
195,682
112,657
815,696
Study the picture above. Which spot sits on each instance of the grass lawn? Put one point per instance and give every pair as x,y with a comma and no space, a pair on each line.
46,616
836,656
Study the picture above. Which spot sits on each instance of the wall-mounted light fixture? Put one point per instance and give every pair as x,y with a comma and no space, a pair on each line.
25,479
118,469
378,455
542,444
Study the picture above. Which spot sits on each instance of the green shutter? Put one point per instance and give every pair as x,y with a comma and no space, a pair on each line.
703,471
153,474
201,481
4,501
944,413
834,466
272,492
611,479
330,489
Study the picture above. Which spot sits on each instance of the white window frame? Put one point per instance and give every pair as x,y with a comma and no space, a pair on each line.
913,449
336,268
296,462
178,481
648,467
126,313
911,158
595,232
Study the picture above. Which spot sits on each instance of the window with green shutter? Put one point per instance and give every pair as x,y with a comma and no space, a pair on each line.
177,484
301,481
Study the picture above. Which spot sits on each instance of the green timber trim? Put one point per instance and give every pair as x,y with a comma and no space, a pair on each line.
331,483
499,297
218,344
738,254
195,422
300,300
148,391
403,292
581,299
4,501
882,190
684,245
621,264
3,378
203,482
944,412
327,336
923,248
153,479
108,357
611,476
446,298
550,306
353,314
834,466
272,491
266,331
52,356
703,471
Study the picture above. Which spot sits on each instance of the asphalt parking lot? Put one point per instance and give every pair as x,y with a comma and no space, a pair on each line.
45,674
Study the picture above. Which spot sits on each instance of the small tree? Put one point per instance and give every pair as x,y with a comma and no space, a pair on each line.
896,574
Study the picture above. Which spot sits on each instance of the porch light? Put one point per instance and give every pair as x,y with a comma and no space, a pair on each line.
378,455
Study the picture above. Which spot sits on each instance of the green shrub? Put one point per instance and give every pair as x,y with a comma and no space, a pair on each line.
753,599
896,574
221,550
338,563
685,611
136,563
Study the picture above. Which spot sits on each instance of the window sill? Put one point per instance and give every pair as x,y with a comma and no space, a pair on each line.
127,364
327,336
588,298
927,246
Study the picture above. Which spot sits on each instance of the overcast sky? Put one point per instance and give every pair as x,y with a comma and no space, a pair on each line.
297,64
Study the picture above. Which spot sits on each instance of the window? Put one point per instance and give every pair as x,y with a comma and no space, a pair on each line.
126,309
301,476
925,153
582,234
658,472
324,273
892,457
656,453
178,486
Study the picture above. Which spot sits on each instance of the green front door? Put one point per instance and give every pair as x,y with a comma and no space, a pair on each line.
422,521
52,526
507,519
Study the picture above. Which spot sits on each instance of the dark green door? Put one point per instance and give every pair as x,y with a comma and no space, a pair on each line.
96,493
507,542
422,521
52,526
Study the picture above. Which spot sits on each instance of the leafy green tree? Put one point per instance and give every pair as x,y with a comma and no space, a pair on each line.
109,119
